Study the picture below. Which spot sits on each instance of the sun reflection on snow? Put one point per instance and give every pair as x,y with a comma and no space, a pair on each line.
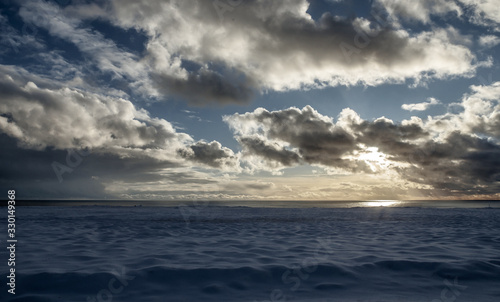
381,203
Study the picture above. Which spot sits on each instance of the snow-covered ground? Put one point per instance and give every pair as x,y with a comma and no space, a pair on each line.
220,253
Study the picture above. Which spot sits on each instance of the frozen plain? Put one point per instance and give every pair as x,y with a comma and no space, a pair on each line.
220,253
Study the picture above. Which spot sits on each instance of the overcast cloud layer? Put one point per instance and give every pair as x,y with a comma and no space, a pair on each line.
78,79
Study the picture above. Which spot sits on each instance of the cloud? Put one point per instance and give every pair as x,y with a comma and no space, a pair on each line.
211,154
97,175
237,187
68,118
421,106
130,153
50,116
291,136
460,164
455,154
204,86
258,46
489,41
275,153
101,53
485,12
15,41
204,55
420,10
480,114
396,140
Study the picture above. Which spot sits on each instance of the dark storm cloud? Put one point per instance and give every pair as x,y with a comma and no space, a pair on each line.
257,146
390,138
82,174
29,172
210,154
461,162
313,137
206,86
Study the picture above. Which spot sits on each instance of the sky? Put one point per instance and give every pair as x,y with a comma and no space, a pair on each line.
250,99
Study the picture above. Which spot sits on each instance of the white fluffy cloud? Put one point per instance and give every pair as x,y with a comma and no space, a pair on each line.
420,10
68,118
262,45
486,12
489,41
455,154
480,114
420,106
39,114
205,53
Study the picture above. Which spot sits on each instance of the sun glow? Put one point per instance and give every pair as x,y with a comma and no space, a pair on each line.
375,159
